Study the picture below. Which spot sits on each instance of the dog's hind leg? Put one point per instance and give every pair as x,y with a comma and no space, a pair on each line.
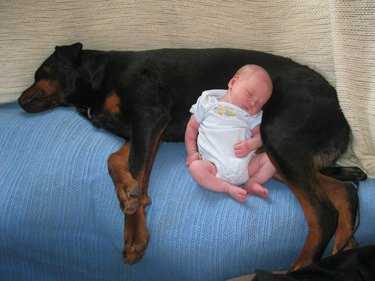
321,217
345,199
299,173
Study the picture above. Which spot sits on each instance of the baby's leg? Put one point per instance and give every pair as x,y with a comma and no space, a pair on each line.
204,173
260,171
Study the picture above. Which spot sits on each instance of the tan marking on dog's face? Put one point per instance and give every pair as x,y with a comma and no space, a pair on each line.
112,103
42,95
48,87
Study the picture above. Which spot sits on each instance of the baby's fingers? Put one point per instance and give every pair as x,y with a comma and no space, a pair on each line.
240,152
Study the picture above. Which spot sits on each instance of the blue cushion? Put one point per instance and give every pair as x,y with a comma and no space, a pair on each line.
60,218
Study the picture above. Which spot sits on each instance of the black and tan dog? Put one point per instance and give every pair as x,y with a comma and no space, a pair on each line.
145,97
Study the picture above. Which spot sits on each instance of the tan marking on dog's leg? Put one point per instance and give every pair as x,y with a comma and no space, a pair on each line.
314,235
127,188
345,201
136,236
312,198
133,204
321,218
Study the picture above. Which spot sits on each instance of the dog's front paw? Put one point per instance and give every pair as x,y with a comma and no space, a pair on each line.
133,252
136,237
131,202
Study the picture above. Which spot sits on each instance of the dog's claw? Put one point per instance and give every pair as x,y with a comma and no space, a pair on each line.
141,247
132,206
134,256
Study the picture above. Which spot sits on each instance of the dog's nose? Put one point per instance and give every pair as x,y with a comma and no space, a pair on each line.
28,98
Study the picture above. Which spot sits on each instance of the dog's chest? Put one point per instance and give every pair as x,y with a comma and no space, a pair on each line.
109,121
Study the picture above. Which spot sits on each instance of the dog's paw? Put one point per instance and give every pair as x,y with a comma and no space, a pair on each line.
134,251
131,206
131,201
132,257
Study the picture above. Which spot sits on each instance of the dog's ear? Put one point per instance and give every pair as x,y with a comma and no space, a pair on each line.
72,52
96,77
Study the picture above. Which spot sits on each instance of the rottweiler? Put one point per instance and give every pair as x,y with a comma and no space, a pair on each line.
145,97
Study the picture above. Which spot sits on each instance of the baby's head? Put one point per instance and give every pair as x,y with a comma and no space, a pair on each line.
250,88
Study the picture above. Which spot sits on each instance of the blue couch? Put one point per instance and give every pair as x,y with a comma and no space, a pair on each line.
60,218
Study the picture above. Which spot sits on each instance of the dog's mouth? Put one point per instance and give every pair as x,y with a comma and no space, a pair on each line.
36,101
31,107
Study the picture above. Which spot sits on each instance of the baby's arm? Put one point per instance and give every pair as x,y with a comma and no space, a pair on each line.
191,134
243,147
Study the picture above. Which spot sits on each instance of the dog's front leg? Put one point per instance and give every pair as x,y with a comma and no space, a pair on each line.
130,169
128,192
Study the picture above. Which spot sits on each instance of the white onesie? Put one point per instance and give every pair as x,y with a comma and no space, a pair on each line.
221,125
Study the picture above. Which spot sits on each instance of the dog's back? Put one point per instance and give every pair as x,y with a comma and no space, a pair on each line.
179,76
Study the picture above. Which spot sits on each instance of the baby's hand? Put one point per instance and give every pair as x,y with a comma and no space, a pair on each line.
192,156
243,147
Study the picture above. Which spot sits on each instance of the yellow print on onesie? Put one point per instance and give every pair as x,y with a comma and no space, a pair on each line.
224,112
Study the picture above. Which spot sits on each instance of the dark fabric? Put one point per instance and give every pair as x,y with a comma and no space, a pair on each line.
353,265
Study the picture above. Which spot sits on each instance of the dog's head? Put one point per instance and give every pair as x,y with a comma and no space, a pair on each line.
55,80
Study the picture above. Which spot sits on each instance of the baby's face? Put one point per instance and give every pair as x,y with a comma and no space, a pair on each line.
250,93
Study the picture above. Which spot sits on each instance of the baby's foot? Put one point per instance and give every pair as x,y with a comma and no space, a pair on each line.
256,189
237,193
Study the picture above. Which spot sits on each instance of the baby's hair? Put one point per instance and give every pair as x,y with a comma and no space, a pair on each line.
250,69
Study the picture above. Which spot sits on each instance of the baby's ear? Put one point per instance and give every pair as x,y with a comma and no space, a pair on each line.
233,81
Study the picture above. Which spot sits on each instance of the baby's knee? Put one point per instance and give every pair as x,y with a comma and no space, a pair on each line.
202,166
194,166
